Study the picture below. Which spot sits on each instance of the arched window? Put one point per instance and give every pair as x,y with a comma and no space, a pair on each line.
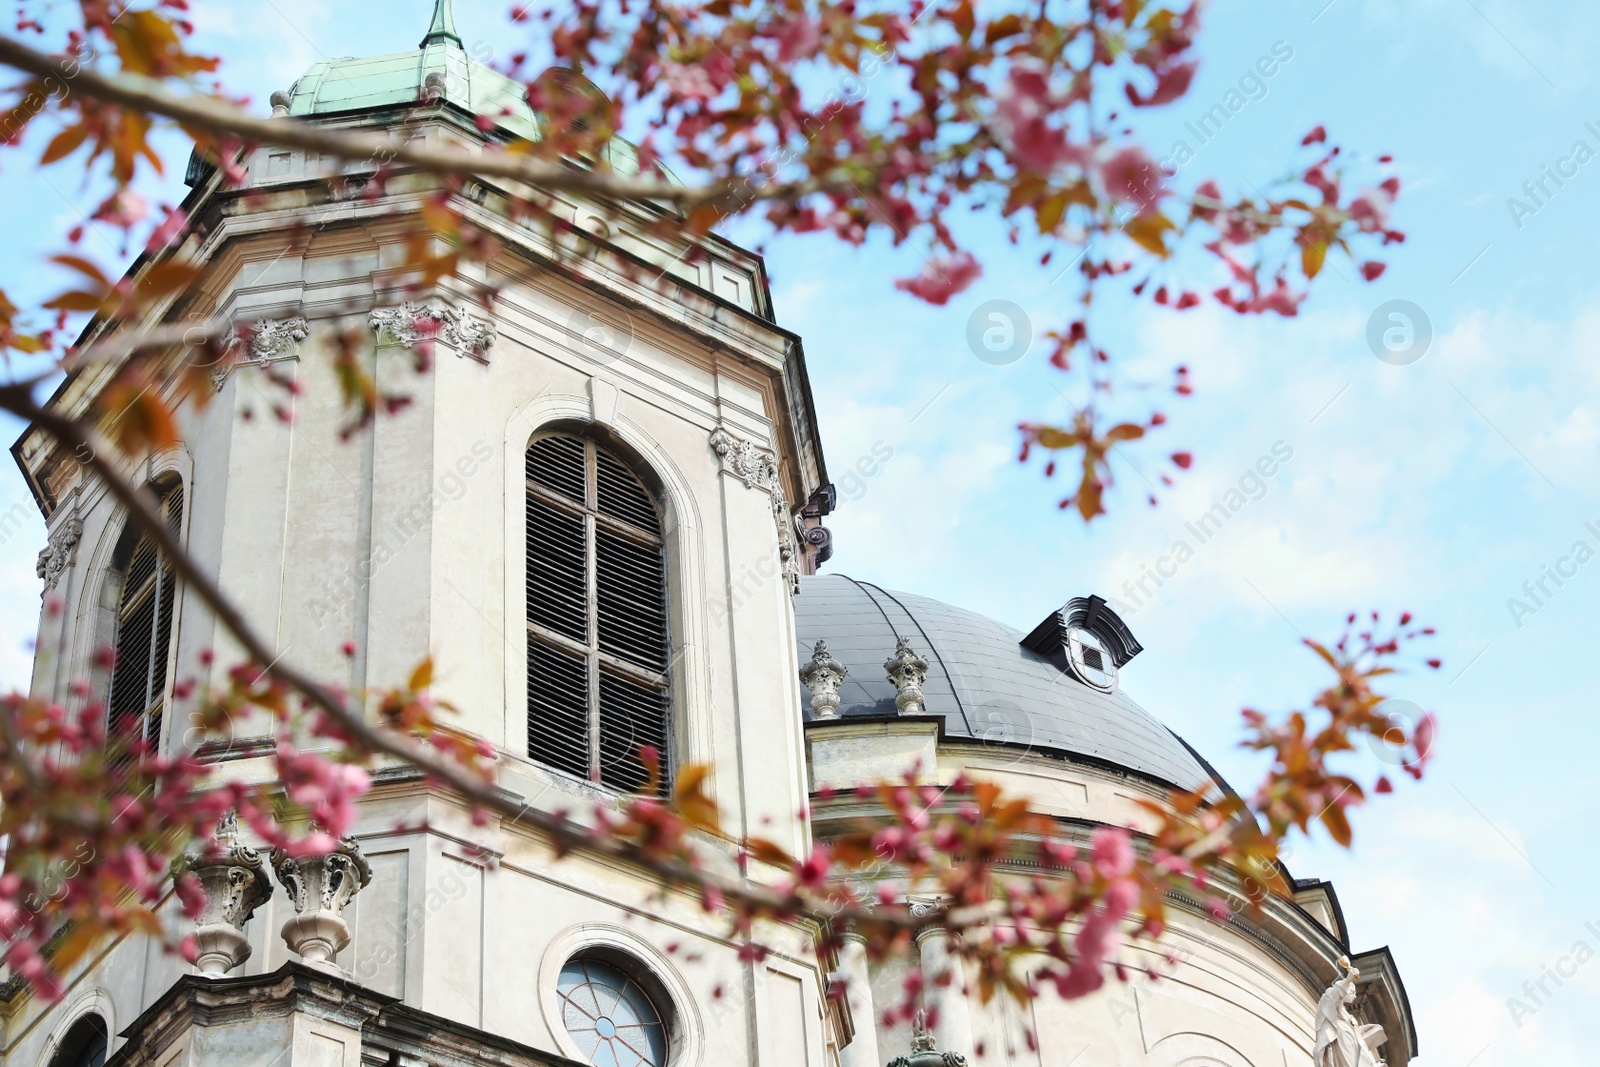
598,685
85,1044
143,627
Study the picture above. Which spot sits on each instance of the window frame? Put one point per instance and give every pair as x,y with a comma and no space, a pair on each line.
634,972
596,660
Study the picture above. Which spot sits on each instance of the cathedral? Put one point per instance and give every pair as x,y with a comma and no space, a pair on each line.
617,445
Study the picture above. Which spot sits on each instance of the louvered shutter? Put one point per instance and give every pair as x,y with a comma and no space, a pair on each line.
145,609
598,635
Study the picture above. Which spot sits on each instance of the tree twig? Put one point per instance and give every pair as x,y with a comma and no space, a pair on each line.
564,832
224,119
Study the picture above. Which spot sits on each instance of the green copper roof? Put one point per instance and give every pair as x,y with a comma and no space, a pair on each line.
336,86
404,78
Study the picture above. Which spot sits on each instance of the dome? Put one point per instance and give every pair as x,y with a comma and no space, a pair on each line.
981,681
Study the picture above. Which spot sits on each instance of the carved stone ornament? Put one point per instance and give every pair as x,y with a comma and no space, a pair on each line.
823,676
320,887
410,324
907,671
235,880
924,1049
757,468
57,553
271,341
1342,1040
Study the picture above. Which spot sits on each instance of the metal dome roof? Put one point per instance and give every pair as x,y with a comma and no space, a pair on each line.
981,680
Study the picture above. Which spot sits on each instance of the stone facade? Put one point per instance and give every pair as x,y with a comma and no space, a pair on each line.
409,539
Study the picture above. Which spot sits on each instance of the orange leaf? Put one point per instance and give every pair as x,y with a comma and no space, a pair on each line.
767,852
421,676
1312,254
1333,818
77,300
1050,212
165,278
84,267
1089,498
1049,437
64,144
1150,232
1002,27
140,419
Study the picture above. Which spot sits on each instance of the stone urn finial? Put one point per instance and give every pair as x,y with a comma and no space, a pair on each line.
823,676
320,887
907,671
235,881
924,1049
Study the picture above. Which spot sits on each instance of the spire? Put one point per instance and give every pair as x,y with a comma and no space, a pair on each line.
443,28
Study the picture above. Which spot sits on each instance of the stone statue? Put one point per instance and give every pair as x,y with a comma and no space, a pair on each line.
1341,1040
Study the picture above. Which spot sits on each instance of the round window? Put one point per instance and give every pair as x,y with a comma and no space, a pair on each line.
610,1015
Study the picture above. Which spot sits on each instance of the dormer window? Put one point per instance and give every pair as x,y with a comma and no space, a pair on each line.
1087,640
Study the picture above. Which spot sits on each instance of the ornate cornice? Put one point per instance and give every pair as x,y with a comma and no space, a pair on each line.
270,341
410,324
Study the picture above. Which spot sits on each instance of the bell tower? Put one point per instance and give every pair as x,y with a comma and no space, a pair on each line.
590,498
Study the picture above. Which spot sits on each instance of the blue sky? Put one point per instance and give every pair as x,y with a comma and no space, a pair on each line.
1438,487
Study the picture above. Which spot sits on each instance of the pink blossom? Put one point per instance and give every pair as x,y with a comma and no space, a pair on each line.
1113,852
814,871
1319,180
1370,210
1121,896
124,208
1023,109
1171,83
942,278
690,82
1130,175
798,39
1282,300
170,229
1097,940
1423,738
326,789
